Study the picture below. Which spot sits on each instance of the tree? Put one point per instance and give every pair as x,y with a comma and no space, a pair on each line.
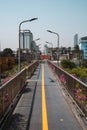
76,47
68,64
7,52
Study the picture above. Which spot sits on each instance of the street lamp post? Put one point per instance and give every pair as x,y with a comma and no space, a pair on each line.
37,39
52,46
50,43
34,46
39,45
19,64
57,41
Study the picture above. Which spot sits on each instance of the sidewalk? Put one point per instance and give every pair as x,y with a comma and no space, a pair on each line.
21,116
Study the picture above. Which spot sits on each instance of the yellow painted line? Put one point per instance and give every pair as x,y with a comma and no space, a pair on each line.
44,111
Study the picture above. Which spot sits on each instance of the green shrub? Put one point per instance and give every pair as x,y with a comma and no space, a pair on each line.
68,64
79,72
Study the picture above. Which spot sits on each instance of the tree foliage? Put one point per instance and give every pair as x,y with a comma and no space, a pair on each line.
79,72
68,64
76,47
7,52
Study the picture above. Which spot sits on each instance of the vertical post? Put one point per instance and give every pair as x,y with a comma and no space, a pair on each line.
19,64
57,42
19,60
58,47
52,47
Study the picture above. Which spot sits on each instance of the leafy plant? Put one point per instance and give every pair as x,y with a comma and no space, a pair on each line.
68,64
79,72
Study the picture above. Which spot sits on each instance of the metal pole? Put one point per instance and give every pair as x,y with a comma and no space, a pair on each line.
19,66
52,47
19,62
58,47
57,43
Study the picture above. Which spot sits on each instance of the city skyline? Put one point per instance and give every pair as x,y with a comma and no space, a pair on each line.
66,17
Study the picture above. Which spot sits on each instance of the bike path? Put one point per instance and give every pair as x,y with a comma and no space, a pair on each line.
50,110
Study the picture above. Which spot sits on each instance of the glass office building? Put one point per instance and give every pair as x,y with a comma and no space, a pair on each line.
26,38
83,46
75,40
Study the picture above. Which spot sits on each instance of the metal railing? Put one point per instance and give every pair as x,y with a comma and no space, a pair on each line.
76,88
10,90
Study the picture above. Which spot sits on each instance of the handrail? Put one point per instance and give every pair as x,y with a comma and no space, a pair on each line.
76,88
10,90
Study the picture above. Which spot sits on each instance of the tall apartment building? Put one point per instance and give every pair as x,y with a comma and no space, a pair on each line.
83,46
26,37
75,40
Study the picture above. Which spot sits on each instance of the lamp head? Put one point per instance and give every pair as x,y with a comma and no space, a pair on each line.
49,31
38,39
33,19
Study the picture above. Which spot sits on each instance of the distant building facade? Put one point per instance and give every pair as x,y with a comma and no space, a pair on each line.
26,38
46,49
75,40
83,46
77,56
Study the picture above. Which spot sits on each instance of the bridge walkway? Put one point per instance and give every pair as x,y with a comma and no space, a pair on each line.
43,105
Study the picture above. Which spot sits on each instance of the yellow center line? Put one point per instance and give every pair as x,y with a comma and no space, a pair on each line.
44,111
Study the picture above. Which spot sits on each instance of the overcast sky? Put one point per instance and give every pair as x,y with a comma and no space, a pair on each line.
66,17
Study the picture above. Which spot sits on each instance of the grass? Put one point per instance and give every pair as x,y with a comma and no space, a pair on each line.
14,70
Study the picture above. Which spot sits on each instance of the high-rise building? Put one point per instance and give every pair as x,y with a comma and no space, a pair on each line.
26,37
83,46
75,40
22,40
